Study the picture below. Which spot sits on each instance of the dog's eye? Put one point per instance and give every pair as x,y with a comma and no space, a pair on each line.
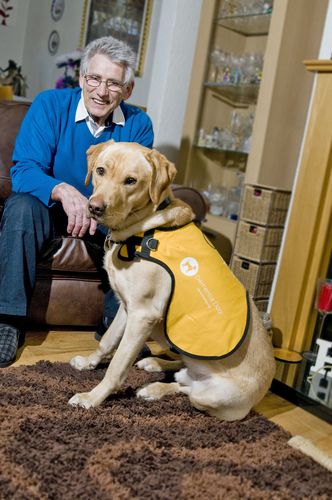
130,180
100,170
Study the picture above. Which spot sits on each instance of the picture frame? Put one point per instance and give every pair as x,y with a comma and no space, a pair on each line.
57,9
126,20
53,42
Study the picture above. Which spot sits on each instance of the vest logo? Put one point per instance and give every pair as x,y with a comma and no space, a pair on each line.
189,266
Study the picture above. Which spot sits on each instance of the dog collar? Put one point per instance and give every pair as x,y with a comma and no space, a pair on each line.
133,239
164,204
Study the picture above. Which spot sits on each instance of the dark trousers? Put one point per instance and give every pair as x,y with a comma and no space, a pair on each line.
26,226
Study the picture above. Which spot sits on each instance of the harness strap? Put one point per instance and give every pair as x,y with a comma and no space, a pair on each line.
149,243
137,246
131,244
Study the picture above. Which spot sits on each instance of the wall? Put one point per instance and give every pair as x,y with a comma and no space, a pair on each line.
13,35
143,84
295,35
38,64
171,74
326,45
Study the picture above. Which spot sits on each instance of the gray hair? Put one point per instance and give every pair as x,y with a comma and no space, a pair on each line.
116,50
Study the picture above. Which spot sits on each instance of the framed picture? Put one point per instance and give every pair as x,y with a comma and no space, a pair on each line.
126,20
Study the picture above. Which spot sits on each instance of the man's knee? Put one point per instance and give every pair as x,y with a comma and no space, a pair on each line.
23,210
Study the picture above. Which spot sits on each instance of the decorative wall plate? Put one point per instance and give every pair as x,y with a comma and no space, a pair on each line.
57,8
53,42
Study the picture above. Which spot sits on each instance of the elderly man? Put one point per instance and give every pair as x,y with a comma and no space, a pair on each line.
49,195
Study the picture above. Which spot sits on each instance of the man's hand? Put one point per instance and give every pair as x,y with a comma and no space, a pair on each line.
75,206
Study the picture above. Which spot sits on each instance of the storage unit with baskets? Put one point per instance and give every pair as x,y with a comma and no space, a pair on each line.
258,239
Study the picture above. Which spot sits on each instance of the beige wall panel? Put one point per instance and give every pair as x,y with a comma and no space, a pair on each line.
295,34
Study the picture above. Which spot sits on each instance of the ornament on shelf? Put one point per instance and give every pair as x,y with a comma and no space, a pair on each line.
71,63
12,76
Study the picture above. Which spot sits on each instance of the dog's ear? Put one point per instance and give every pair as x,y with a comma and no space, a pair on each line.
163,173
92,154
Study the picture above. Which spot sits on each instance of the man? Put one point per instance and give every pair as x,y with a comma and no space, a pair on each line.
50,168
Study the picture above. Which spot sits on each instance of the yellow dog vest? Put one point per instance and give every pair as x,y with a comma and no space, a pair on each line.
208,310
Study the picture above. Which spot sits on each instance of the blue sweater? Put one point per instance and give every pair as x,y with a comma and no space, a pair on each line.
51,148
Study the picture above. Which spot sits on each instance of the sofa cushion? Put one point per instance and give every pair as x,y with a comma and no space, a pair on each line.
61,300
71,255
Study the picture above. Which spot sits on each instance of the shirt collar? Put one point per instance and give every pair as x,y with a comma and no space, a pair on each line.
82,114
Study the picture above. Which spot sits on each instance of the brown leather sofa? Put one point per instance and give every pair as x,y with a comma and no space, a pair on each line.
69,287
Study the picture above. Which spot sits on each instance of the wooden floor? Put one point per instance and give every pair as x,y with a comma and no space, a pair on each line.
63,345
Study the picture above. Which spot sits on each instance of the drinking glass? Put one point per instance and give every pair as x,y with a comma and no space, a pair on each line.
214,58
217,197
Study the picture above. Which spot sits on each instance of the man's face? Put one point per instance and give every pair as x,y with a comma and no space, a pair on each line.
101,101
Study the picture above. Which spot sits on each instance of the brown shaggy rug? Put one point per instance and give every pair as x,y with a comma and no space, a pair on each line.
133,449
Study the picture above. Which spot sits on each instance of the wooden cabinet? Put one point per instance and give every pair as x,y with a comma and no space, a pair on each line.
291,34
308,246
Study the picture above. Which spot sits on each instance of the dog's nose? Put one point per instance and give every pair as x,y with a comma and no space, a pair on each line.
96,207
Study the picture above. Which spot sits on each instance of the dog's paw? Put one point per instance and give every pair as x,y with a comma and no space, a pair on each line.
82,363
157,390
149,365
148,393
182,377
82,399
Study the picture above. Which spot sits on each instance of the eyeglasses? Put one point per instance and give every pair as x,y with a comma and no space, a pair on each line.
96,81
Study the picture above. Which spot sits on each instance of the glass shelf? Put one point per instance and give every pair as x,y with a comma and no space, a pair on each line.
222,150
236,95
248,25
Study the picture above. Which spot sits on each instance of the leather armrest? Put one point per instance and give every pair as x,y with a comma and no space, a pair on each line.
11,116
193,198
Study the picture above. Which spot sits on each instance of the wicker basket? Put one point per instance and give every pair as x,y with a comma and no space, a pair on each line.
258,242
264,205
261,304
256,278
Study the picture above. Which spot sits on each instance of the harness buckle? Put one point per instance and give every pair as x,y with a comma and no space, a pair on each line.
152,244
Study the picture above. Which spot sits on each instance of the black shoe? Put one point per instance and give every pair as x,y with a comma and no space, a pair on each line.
102,327
145,353
111,307
9,343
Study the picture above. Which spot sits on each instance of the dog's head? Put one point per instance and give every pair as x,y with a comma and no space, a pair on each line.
127,178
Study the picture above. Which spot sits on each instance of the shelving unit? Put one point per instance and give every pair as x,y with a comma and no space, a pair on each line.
235,95
209,164
254,24
231,152
279,102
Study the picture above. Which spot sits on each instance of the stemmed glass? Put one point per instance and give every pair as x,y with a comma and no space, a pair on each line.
214,58
237,122
223,67
324,301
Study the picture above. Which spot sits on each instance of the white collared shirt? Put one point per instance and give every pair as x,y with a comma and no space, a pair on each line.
96,130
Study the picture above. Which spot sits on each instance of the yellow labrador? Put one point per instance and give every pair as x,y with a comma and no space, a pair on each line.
132,194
